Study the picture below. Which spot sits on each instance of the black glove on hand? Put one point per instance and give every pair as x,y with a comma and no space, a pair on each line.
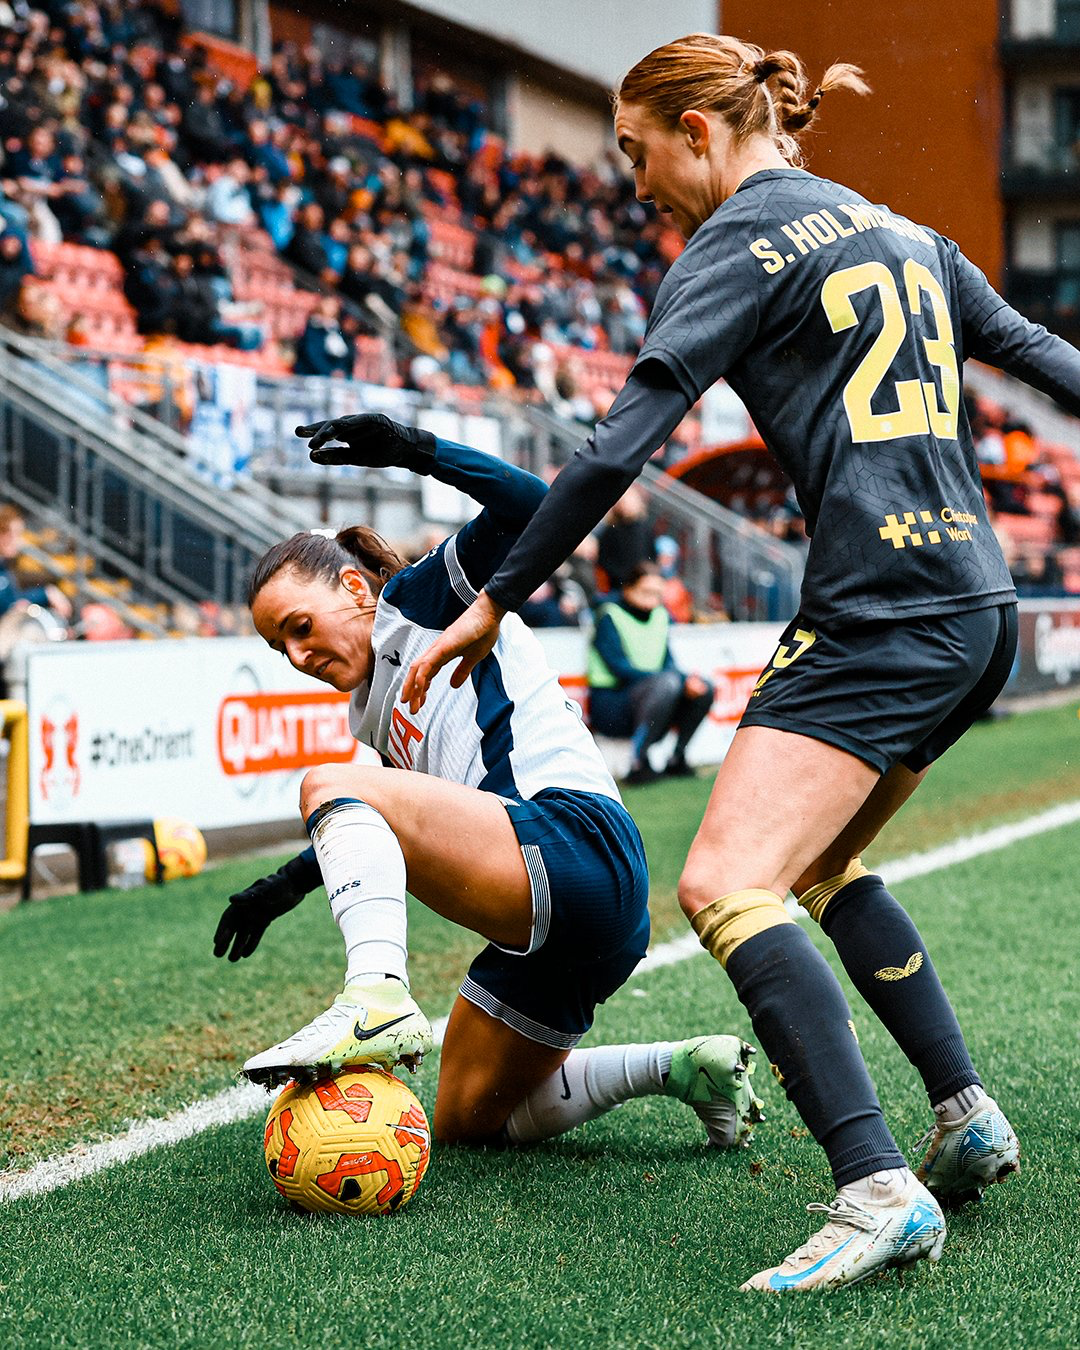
372,441
251,912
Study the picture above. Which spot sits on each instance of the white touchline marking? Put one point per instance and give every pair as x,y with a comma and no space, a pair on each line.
246,1100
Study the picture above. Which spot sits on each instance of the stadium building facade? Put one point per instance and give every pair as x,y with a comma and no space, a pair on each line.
973,127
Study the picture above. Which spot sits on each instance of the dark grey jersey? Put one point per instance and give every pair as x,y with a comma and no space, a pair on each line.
844,328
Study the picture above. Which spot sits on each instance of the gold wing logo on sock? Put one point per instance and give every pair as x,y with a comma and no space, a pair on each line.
890,973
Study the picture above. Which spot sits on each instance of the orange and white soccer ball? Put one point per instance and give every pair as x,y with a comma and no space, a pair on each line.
181,848
356,1142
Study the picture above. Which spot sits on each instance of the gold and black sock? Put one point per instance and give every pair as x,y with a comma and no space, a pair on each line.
888,963
803,1023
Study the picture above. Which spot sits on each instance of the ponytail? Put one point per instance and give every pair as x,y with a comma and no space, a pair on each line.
316,555
754,91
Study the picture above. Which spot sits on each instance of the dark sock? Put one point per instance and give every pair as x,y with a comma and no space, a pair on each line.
883,953
803,1022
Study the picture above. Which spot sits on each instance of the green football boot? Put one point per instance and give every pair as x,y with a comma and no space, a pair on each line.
712,1075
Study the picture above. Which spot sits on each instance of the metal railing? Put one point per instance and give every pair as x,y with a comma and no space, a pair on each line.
123,487
723,555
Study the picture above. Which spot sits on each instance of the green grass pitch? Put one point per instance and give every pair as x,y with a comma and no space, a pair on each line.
627,1233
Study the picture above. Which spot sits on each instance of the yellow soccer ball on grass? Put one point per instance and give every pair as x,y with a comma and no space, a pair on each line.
355,1142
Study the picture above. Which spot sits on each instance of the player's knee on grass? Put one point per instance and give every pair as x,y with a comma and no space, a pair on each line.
470,1110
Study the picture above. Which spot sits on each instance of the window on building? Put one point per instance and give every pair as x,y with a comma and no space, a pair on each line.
1067,125
1068,20
1067,286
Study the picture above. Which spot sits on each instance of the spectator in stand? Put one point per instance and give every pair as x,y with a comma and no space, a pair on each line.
624,541
366,286
325,347
205,128
261,152
307,248
15,264
678,601
12,527
635,687
167,126
227,198
559,603
37,312
204,312
150,284
275,206
1036,572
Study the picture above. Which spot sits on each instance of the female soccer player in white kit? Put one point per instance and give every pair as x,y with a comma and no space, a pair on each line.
494,808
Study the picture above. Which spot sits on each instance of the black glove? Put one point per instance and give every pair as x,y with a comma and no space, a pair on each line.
251,912
371,440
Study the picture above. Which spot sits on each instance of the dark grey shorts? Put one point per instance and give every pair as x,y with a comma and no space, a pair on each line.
890,692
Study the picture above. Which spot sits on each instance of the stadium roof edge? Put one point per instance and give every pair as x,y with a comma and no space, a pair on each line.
474,42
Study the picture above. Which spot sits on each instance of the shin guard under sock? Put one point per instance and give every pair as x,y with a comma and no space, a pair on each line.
802,1020
885,957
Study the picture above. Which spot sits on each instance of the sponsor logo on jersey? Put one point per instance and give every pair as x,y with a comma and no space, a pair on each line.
908,528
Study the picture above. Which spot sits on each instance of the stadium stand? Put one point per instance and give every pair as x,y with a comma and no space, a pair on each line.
165,200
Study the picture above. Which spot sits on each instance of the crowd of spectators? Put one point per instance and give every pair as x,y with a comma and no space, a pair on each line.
117,135
1032,491
116,132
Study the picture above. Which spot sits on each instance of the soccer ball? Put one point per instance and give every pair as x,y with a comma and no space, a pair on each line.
180,846
356,1142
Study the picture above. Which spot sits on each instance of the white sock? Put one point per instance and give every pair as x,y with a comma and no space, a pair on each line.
588,1084
958,1105
869,1188
363,870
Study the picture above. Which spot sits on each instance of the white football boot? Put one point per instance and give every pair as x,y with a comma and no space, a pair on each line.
370,1022
966,1155
888,1219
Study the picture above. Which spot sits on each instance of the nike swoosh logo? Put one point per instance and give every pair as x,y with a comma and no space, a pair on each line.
394,660
361,1035
566,1094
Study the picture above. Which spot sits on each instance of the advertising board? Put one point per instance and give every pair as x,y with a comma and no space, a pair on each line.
220,731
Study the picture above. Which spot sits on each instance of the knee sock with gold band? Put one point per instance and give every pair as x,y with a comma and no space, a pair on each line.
888,963
803,1023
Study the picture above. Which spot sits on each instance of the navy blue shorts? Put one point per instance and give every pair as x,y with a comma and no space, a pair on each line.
590,889
891,692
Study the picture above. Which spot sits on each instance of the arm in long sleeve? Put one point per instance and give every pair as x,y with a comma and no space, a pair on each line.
996,333
508,493
647,410
1039,358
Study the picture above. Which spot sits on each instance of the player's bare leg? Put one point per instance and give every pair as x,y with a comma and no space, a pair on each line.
377,831
971,1144
779,801
462,856
495,1083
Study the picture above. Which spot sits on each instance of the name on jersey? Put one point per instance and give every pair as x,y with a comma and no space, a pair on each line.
820,228
909,528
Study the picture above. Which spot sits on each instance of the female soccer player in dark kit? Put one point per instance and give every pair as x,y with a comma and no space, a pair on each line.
493,806
843,327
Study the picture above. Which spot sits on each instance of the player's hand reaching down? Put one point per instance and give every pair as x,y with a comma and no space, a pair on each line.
369,440
471,636
250,912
